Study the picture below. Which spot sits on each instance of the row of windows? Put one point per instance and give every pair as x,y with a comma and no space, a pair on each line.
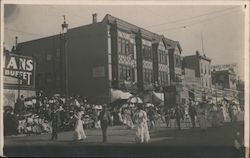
47,55
162,57
163,77
126,73
125,47
206,82
205,69
148,75
48,78
147,52
177,61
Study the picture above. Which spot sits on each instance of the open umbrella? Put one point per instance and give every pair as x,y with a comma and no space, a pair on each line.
149,105
98,107
134,100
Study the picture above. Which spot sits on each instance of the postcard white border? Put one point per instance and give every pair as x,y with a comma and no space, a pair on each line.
142,2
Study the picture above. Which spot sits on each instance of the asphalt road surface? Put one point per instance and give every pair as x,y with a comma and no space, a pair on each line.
165,142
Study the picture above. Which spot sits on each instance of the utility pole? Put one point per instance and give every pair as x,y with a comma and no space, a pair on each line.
216,93
18,76
196,35
202,46
64,33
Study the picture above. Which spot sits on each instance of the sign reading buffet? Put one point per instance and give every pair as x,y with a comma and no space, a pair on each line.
19,66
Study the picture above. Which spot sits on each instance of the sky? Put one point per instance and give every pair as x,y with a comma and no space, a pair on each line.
216,30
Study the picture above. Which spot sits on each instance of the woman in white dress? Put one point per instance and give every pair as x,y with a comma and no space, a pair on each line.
129,122
142,133
79,133
220,115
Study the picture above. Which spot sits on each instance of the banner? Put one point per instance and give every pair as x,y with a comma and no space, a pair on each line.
19,69
233,67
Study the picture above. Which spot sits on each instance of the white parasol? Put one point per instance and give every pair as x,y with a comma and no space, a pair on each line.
149,105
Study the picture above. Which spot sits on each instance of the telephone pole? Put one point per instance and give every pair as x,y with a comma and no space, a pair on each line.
64,34
18,76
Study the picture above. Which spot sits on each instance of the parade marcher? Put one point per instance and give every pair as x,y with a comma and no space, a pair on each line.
151,114
230,111
105,119
192,113
214,115
234,113
220,115
128,119
178,116
19,105
239,146
142,133
120,116
167,117
55,117
202,116
79,133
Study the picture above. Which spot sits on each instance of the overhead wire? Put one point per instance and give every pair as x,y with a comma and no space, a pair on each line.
198,22
71,13
194,17
24,32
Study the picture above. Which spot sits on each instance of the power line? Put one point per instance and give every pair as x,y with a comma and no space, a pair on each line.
73,14
199,22
194,17
11,29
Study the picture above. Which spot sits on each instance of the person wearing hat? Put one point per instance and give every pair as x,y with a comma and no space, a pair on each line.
105,119
142,132
202,116
79,133
56,122
192,113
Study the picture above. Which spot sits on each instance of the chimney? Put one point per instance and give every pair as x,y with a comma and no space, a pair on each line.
197,53
94,18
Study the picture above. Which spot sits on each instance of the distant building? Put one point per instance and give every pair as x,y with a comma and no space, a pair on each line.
241,89
191,85
111,54
225,76
224,79
201,65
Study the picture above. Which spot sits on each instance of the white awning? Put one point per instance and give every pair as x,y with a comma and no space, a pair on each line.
159,96
118,94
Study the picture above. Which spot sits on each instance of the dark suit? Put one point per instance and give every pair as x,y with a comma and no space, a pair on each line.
55,116
192,113
105,119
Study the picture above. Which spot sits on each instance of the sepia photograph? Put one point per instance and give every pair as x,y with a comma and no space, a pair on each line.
124,79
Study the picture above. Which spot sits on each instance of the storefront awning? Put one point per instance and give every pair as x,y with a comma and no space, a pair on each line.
159,96
118,94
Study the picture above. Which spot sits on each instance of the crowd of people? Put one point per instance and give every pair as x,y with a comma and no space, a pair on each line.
37,115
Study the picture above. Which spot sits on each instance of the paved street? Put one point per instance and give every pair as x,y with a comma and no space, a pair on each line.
119,136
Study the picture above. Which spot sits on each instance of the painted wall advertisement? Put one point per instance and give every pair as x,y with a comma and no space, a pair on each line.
18,69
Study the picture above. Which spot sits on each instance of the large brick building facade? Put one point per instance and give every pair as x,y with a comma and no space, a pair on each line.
103,55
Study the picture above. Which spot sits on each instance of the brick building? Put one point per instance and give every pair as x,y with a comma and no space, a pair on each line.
111,54
201,64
